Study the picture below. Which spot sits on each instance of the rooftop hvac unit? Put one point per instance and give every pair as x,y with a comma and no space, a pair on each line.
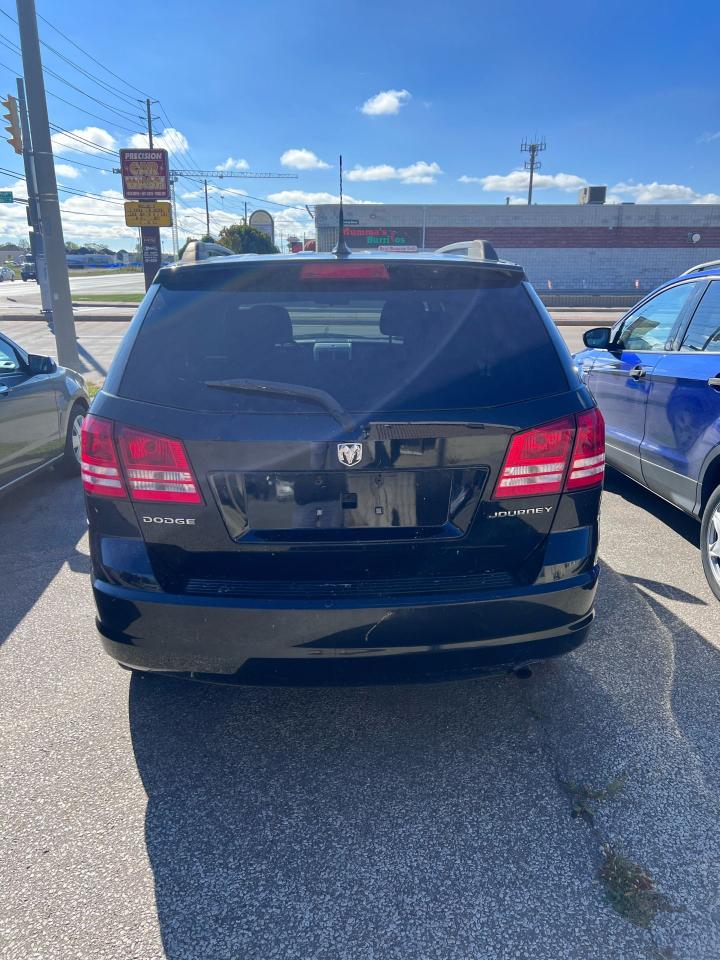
592,195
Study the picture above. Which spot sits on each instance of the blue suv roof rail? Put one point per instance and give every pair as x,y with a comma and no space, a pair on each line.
699,267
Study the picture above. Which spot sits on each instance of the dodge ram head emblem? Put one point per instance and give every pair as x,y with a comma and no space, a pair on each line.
349,453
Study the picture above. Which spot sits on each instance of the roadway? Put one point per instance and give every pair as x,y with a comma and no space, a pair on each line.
14,291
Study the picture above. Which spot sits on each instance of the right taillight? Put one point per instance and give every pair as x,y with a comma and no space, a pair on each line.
587,467
566,454
536,460
98,461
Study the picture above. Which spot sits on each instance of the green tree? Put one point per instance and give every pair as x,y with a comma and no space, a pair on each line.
243,239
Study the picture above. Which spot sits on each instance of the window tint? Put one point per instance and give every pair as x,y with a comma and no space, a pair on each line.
8,359
704,330
650,327
424,337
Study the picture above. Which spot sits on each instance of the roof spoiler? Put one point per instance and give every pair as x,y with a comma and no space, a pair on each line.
699,267
474,249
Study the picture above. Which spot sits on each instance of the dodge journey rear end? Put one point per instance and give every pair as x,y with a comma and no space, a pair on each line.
314,468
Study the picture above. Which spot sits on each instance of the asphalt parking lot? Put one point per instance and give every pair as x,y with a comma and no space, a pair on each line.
148,818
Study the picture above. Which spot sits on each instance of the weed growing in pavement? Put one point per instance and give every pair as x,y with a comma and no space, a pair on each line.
630,890
584,800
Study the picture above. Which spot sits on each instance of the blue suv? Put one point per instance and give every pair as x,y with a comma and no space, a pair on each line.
656,378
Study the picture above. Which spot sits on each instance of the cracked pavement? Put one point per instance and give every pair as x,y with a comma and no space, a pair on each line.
149,818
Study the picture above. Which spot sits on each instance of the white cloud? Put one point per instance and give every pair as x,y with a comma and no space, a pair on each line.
232,164
303,159
67,171
385,103
302,197
519,180
708,137
662,193
170,139
419,172
92,137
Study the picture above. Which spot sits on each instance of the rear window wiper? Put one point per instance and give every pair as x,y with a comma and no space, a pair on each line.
276,389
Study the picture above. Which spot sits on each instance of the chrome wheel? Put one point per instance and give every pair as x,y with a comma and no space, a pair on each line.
75,435
712,543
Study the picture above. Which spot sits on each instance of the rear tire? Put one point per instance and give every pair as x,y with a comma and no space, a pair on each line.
70,463
710,541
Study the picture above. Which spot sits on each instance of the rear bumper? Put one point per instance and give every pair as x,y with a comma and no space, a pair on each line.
329,641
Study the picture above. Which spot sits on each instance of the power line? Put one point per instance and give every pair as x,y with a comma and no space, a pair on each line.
90,56
91,76
14,48
96,146
95,116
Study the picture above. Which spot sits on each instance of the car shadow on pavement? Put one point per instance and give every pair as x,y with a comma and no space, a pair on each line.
686,526
435,821
42,522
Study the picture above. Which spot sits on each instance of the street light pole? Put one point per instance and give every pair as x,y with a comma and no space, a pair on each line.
53,240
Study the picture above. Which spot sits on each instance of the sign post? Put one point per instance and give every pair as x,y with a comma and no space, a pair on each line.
145,177
151,253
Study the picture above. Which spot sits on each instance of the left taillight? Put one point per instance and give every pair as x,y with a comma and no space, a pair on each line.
98,460
156,467
117,460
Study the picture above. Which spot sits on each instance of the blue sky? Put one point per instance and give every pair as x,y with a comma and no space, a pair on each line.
625,94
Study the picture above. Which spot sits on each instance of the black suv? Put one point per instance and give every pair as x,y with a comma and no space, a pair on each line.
306,468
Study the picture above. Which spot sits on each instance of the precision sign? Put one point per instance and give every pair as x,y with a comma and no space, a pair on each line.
139,214
145,174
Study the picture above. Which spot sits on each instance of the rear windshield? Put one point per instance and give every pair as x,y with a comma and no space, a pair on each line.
378,338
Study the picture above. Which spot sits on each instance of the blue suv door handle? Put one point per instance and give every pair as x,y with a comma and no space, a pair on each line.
638,372
714,382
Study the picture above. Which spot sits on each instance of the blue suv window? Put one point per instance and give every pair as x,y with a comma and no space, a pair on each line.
704,330
651,325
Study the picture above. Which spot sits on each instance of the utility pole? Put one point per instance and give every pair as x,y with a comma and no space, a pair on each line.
36,241
245,220
54,242
207,211
148,103
533,164
150,236
175,243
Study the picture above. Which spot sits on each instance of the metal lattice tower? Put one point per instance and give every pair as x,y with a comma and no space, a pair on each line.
533,148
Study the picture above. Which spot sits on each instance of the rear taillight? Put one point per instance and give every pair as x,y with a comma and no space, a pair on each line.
98,461
588,459
156,467
538,460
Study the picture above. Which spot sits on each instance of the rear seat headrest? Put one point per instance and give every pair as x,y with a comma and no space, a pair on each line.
266,323
403,318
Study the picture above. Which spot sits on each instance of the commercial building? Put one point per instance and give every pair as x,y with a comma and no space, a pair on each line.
587,247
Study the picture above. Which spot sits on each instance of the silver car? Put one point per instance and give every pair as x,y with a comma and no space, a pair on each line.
42,407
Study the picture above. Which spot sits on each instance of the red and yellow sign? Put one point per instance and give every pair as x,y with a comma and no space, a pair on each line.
145,174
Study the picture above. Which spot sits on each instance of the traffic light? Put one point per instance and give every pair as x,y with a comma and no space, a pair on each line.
13,128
